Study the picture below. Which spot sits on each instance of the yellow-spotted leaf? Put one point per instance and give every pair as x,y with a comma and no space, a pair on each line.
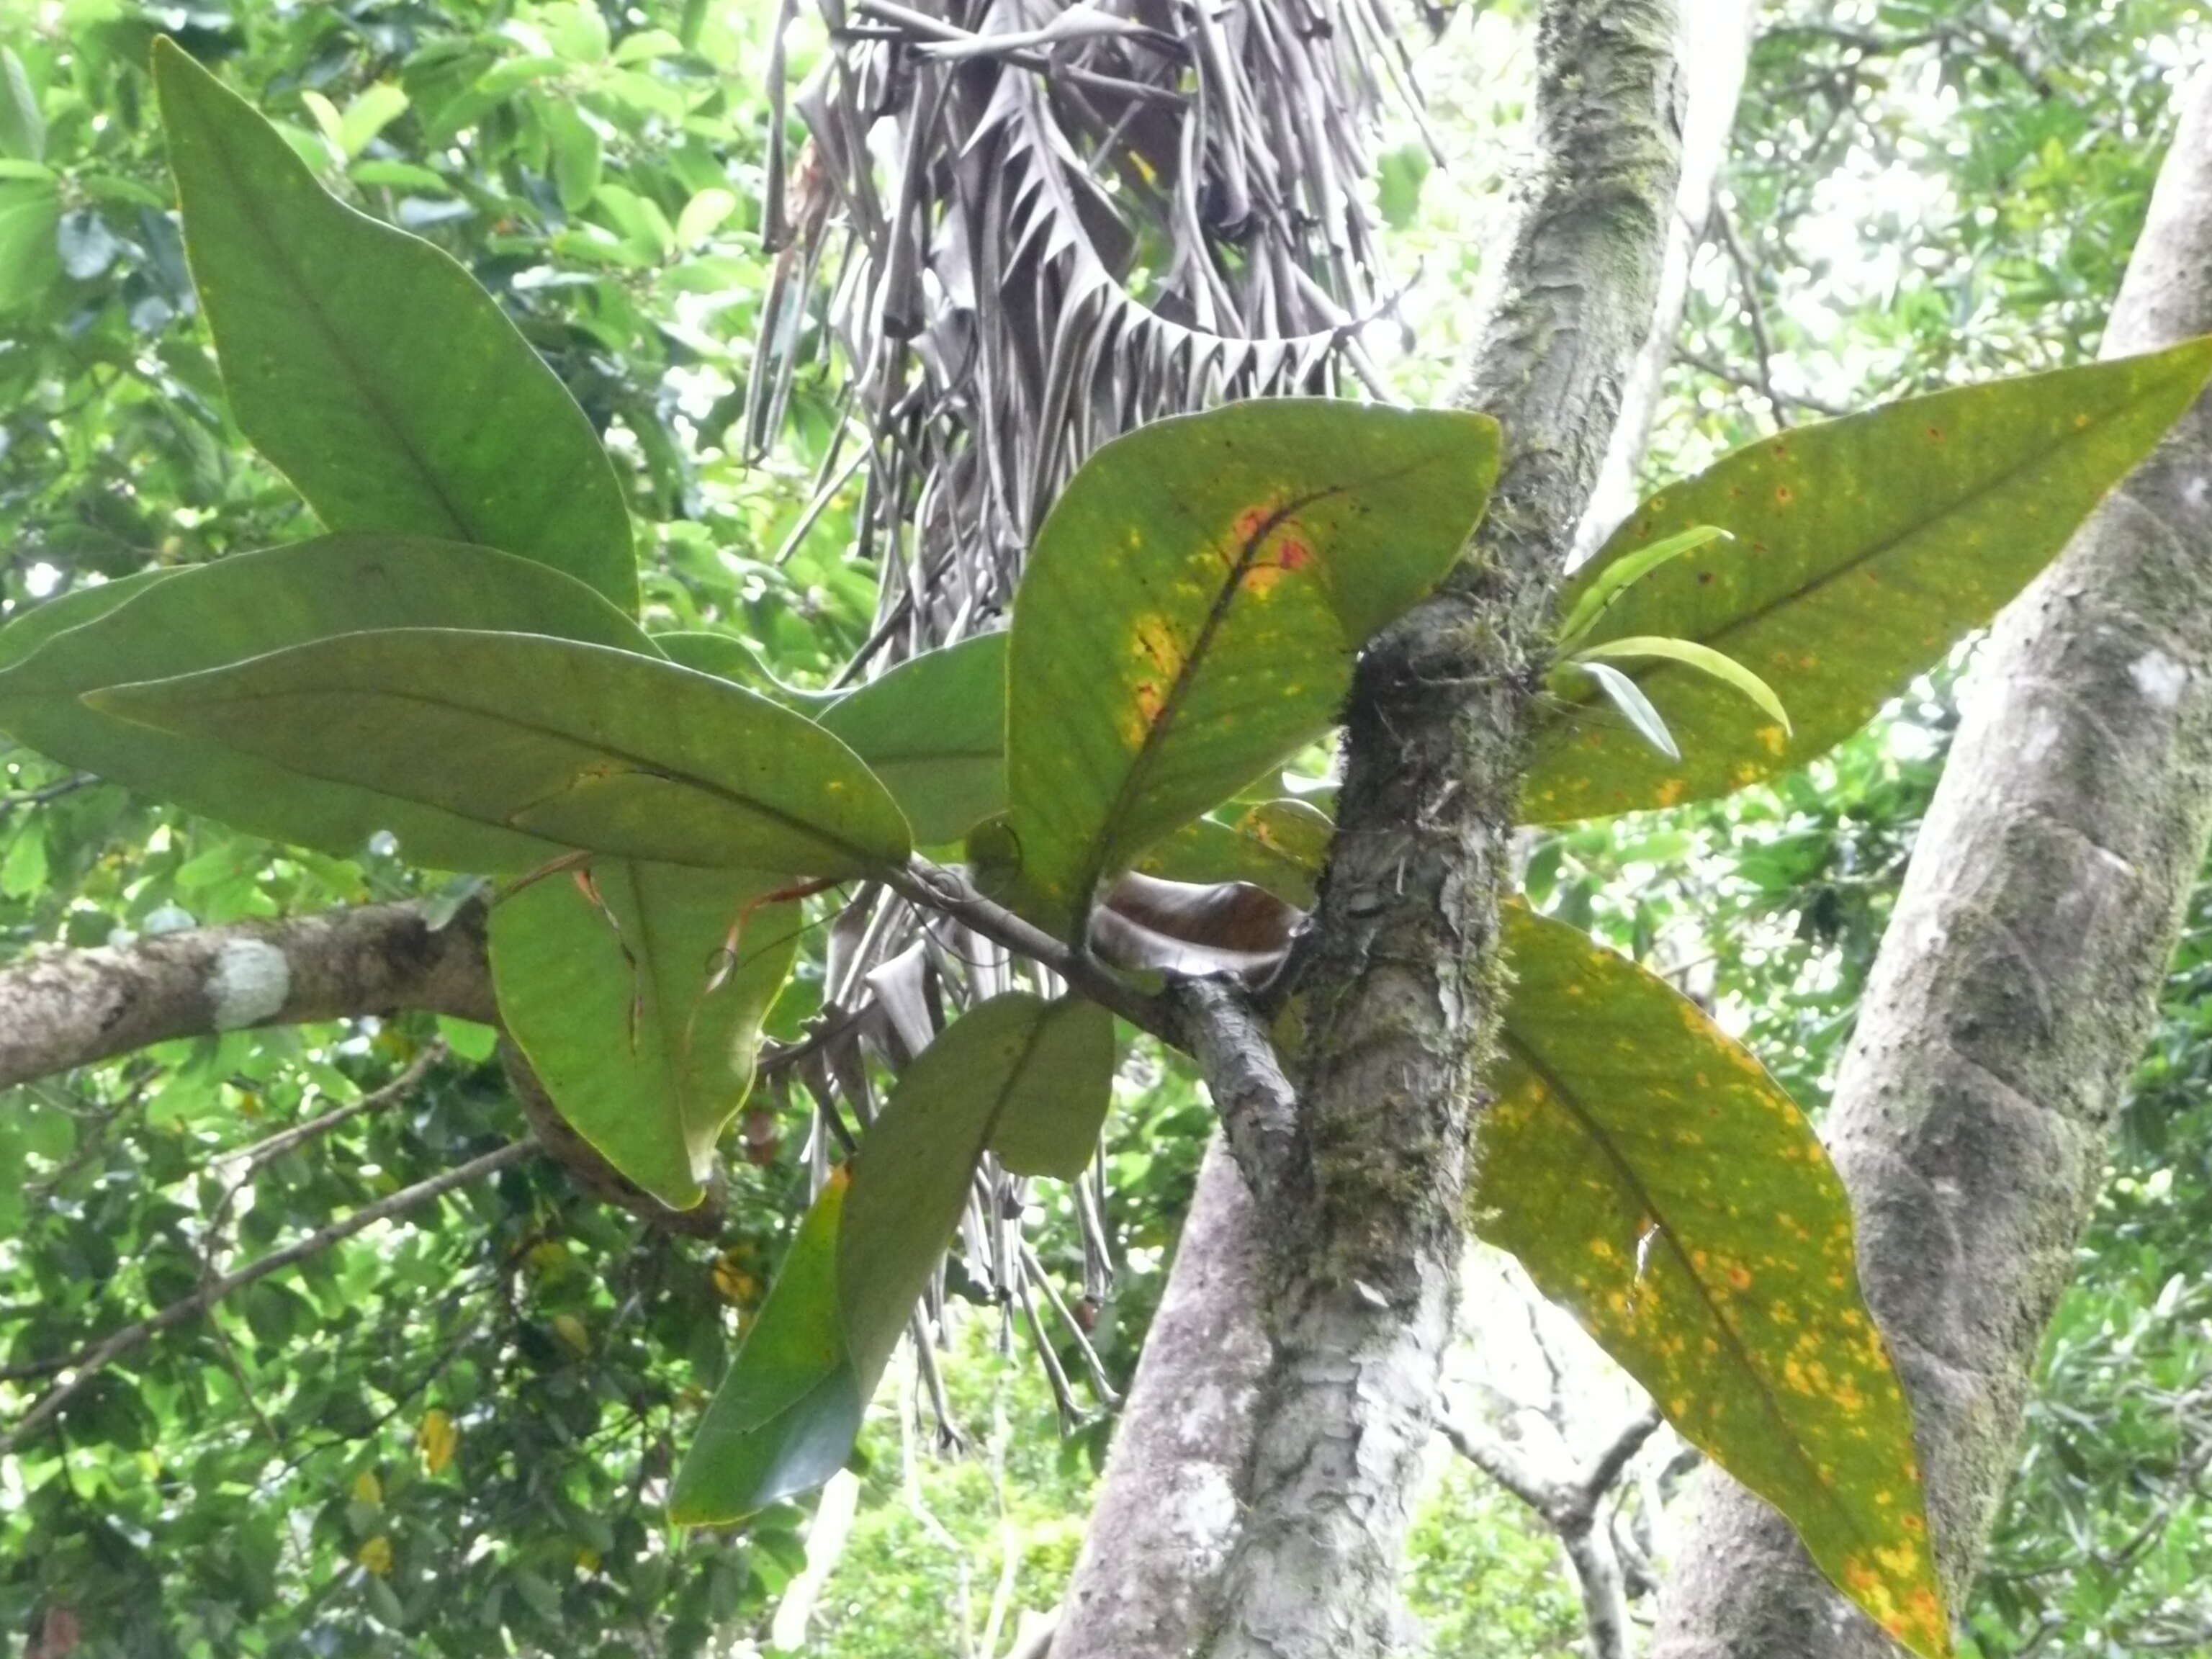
1655,1181
1192,608
637,991
1280,845
437,1440
572,746
786,1416
1860,551
369,366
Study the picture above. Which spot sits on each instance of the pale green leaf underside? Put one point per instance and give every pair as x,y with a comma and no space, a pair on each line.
578,745
170,623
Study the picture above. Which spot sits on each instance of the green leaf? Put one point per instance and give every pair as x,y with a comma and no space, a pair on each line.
785,1419
23,124
1192,608
1278,845
179,622
1658,1183
29,630
729,657
787,1414
30,250
1627,570
369,366
933,729
577,155
1625,694
1049,1120
1702,658
576,744
1863,548
617,984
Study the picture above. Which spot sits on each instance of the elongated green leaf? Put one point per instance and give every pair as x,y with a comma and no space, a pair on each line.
1702,658
616,984
369,366
1278,845
1863,548
30,222
1626,696
1049,1120
934,730
176,622
1624,572
1192,607
31,629
785,1418
576,744
827,1329
1655,1181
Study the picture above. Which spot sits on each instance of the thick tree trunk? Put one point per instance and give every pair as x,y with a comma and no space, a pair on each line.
1716,51
1168,1508
1401,993
2018,981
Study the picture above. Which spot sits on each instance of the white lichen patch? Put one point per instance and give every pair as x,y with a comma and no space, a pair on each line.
2159,677
247,983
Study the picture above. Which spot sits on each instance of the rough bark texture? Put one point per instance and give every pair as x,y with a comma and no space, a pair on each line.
1715,52
1167,1510
2018,981
66,1008
1399,995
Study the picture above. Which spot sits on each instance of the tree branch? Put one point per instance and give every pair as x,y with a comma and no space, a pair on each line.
88,1363
68,1008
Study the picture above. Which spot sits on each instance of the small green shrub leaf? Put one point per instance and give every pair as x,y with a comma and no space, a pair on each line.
168,624
1192,608
574,744
1655,1181
637,991
1626,571
1862,548
369,366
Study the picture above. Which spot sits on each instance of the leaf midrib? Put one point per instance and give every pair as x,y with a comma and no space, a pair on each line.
1722,638
1217,614
1555,1091
250,207
641,764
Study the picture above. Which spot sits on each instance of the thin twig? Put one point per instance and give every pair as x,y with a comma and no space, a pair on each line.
1754,308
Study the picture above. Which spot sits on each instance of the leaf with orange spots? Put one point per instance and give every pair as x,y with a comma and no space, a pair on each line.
1191,612
1276,844
1657,1183
1861,549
